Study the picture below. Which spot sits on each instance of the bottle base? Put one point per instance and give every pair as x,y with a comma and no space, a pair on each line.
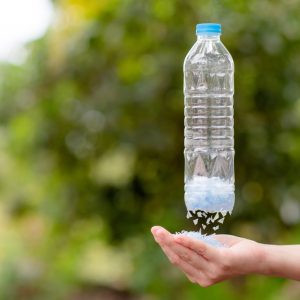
209,194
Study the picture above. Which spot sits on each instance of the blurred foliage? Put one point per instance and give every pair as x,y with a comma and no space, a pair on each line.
91,142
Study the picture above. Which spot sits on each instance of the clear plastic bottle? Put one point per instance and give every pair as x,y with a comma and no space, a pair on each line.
209,137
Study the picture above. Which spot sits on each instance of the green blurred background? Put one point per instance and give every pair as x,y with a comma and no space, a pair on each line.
91,142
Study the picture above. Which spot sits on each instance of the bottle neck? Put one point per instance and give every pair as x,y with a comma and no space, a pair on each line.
208,37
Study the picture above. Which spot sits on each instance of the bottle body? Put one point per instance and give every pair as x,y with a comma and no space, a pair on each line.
208,133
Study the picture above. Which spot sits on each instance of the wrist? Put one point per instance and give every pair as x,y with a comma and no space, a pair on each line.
260,262
266,255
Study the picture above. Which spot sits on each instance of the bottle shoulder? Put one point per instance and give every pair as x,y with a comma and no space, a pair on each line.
191,53
207,55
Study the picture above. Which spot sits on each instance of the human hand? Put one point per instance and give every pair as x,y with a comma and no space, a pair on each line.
206,265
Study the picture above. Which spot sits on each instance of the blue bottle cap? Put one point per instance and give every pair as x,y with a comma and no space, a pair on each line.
208,28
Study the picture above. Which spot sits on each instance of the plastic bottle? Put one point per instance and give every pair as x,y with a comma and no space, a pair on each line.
208,134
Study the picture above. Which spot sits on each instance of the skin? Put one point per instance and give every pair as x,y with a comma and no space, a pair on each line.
206,265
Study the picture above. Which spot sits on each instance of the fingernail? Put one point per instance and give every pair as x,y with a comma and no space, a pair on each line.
154,229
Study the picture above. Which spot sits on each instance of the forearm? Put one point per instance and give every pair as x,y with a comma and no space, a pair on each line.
281,261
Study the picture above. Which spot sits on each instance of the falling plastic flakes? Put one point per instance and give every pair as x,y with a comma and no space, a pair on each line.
216,217
188,215
208,222
223,212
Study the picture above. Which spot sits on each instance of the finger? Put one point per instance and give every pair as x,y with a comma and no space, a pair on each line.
191,272
162,236
154,229
167,241
200,247
190,256
176,260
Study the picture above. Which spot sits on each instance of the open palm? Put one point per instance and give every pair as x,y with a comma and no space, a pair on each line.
204,264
